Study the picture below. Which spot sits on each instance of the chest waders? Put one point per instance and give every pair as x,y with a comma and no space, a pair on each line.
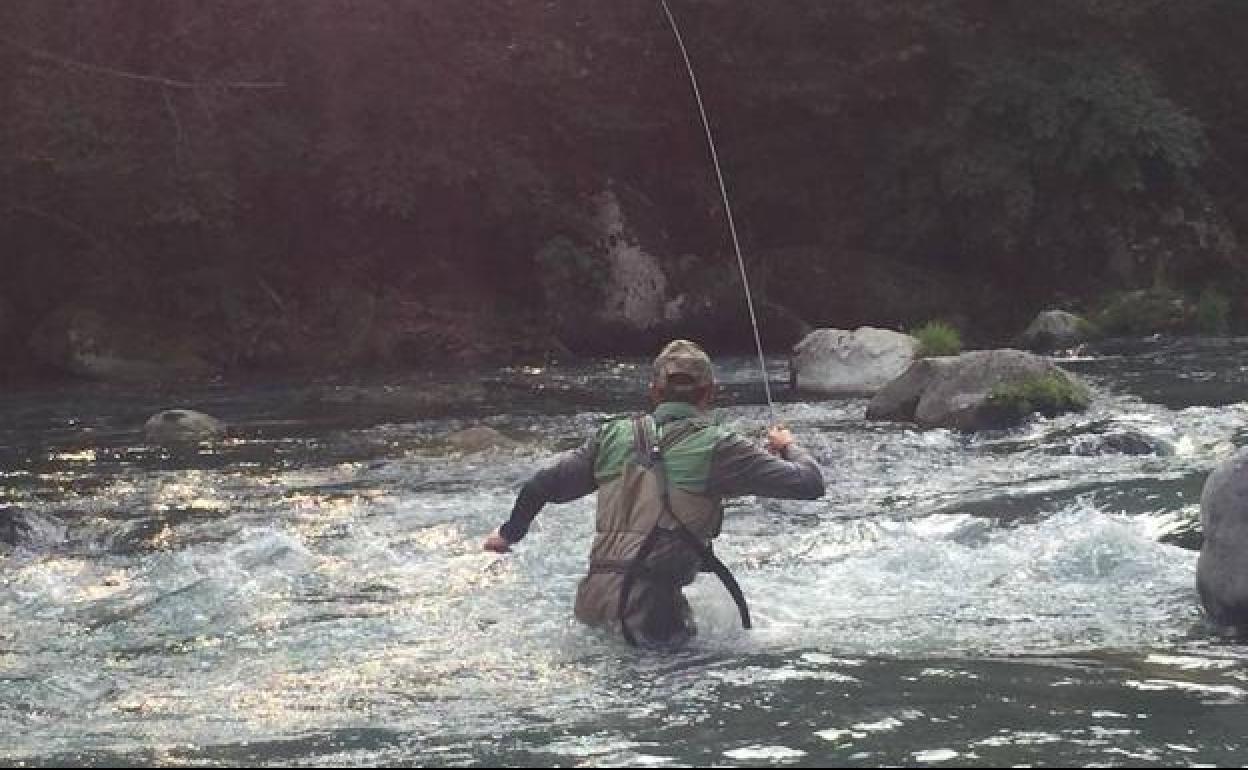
649,456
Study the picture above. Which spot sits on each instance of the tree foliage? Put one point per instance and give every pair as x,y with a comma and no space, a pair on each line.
220,164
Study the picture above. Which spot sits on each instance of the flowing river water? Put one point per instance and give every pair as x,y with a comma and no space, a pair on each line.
311,590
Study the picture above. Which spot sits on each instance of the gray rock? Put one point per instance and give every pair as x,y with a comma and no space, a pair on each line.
182,425
1222,570
953,391
899,399
840,362
1054,329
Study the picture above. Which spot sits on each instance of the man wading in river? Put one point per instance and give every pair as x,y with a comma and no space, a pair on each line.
660,479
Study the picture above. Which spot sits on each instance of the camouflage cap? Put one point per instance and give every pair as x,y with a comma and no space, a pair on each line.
682,357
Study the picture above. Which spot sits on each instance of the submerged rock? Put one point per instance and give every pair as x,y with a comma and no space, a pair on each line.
1222,570
177,425
13,526
840,362
479,438
1108,437
26,529
1129,442
395,402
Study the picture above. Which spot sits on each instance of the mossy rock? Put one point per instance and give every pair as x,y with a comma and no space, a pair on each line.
983,389
1048,394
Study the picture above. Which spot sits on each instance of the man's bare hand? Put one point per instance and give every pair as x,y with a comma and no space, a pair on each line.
778,439
497,543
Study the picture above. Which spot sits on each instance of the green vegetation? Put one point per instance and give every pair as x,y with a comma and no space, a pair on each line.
937,338
225,166
572,273
1213,312
1143,312
1049,395
1089,329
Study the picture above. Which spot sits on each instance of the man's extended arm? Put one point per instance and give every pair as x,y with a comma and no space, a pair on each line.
741,468
571,477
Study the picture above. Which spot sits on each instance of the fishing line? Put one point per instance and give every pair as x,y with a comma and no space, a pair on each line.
723,191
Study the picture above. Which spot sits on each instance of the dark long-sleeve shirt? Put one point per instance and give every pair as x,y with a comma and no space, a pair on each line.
738,467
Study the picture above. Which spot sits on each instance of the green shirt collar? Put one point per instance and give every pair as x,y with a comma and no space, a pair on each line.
675,410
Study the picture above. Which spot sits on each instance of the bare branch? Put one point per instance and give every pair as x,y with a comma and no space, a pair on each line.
273,295
96,69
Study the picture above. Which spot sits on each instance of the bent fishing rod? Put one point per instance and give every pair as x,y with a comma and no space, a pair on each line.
723,192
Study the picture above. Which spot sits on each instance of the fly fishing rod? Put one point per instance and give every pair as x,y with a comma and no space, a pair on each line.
723,191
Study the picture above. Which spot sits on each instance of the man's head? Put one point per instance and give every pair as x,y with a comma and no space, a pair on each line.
682,372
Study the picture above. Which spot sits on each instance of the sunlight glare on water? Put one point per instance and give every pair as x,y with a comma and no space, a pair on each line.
322,597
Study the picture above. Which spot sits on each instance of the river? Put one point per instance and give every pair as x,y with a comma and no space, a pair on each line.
312,591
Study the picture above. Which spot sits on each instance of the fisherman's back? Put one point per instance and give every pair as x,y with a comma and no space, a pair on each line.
661,479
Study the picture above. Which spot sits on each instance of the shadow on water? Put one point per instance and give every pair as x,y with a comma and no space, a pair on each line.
1176,373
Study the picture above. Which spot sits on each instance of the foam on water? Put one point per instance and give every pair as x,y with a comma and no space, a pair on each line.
305,588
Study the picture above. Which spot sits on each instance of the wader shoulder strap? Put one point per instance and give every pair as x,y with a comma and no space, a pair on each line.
650,455
712,562
645,449
650,446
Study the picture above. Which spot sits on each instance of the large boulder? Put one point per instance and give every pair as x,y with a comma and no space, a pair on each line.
1222,570
983,389
1053,330
840,362
93,344
182,425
